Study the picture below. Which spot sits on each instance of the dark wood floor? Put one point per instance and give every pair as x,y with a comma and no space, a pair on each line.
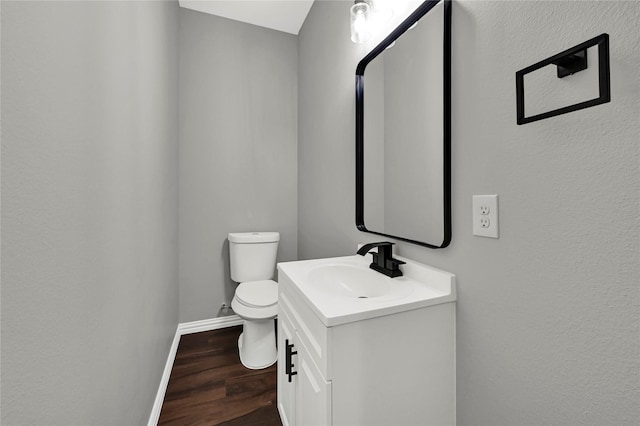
209,385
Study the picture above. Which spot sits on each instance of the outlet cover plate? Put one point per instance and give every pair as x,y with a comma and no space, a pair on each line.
485,216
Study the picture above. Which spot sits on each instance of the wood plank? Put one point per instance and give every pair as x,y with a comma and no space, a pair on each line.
265,416
209,386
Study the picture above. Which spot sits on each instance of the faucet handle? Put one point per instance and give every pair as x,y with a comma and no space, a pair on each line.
395,262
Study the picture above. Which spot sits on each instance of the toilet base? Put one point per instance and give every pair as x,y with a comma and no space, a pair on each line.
257,344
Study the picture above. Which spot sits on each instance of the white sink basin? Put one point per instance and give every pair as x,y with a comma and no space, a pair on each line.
343,280
344,289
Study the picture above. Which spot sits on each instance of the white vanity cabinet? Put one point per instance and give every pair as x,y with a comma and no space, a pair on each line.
392,369
304,396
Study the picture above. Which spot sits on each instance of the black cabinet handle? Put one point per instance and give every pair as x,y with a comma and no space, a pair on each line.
288,365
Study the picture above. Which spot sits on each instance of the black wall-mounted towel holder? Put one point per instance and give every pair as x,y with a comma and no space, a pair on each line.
569,62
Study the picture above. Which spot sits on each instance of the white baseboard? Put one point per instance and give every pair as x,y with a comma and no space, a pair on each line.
164,381
185,328
208,324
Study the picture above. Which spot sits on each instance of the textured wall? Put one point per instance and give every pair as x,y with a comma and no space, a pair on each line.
326,132
548,314
89,209
238,155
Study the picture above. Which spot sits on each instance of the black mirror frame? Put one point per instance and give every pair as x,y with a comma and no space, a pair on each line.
401,29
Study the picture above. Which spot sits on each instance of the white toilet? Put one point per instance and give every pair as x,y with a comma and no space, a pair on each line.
253,259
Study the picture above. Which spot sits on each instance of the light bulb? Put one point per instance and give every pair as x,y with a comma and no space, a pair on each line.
360,32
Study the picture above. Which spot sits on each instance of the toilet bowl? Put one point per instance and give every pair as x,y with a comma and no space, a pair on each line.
256,302
252,256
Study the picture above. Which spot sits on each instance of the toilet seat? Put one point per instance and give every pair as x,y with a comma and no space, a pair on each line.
258,294
256,300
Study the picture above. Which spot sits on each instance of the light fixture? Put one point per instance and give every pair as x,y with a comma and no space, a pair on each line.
360,22
368,16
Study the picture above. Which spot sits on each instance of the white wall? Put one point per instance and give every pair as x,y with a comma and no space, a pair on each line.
238,154
548,314
89,209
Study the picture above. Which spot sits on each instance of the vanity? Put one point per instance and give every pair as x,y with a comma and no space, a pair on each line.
358,348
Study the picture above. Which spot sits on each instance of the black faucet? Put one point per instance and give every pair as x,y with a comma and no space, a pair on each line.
383,260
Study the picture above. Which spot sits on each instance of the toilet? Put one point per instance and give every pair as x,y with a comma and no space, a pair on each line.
252,256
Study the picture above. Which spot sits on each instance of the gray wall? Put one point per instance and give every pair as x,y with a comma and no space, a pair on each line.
89,209
548,314
238,124
326,132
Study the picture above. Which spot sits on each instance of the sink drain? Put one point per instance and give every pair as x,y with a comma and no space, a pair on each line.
363,297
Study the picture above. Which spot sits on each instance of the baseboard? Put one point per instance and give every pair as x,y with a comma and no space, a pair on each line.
181,330
208,324
164,381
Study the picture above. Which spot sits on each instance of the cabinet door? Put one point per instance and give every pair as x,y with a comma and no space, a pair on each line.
313,399
286,388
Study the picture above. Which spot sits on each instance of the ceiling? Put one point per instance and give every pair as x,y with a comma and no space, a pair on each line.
282,15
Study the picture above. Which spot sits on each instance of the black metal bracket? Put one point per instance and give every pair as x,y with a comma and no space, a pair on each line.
569,62
288,365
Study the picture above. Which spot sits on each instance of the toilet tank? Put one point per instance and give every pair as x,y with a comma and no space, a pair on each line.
252,255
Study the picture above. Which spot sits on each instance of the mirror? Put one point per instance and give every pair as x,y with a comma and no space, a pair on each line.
403,137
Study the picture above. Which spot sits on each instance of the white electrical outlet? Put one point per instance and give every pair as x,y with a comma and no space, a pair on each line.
485,215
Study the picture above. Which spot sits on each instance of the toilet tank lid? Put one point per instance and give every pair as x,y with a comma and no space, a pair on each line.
254,237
